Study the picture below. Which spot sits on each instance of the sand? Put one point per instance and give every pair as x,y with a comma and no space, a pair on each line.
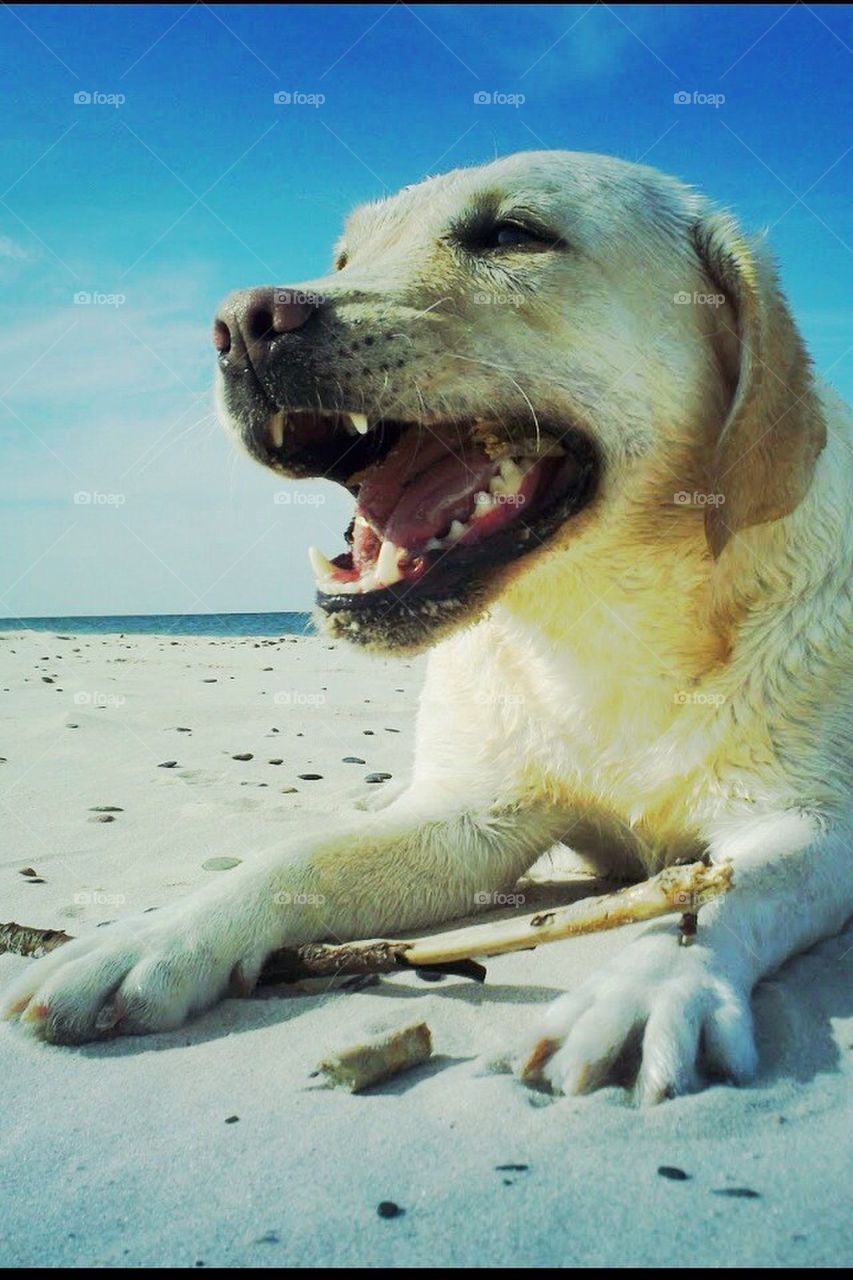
211,1146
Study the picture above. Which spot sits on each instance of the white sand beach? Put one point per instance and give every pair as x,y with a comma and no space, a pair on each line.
211,1146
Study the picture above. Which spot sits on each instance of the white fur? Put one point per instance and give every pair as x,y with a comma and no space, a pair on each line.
626,693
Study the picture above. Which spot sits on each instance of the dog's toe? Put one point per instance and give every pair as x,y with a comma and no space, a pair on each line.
145,974
655,1016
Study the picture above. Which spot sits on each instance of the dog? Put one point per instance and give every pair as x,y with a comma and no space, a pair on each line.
594,473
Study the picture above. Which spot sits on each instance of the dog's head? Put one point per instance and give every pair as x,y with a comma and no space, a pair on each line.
499,362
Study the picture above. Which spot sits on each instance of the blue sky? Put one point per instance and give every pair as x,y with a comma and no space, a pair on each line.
198,182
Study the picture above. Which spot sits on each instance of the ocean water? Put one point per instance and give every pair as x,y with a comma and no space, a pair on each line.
187,624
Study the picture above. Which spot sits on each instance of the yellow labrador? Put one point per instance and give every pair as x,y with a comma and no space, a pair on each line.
591,467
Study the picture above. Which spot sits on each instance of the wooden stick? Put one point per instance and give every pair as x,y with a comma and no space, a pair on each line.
24,941
680,889
377,1058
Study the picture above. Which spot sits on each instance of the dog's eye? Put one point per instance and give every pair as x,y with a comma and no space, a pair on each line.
509,235
341,261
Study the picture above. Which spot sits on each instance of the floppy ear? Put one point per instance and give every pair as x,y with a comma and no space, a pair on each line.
765,455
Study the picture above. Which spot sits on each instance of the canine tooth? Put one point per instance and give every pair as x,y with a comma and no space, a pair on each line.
456,531
482,504
360,423
277,429
321,565
511,473
388,564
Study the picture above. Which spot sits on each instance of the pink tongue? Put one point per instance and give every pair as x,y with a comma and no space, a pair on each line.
440,495
421,486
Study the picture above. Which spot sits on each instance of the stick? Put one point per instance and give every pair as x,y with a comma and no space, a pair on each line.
378,1058
24,941
680,889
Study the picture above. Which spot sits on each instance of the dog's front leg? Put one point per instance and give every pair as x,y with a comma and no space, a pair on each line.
420,861
689,1007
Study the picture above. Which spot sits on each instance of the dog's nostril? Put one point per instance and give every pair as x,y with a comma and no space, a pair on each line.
221,337
259,322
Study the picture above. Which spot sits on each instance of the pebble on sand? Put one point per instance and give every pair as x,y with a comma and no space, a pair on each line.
221,864
167,764
243,755
377,777
310,777
388,1209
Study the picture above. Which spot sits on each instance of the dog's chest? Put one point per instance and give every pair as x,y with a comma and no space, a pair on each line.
605,738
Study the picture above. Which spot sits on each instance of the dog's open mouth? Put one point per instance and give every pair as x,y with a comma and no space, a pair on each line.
434,504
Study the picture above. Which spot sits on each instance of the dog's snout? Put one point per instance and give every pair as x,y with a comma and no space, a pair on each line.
247,322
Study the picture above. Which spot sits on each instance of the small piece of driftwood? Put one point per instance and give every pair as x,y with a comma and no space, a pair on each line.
378,1058
680,889
25,941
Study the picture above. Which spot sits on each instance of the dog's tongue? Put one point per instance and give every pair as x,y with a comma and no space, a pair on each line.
421,487
430,493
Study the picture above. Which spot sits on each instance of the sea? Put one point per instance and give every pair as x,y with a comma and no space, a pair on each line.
176,624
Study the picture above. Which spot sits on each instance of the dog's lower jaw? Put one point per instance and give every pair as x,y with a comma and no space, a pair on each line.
399,627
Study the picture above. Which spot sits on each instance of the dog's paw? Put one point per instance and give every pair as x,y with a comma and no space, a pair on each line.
147,973
659,1014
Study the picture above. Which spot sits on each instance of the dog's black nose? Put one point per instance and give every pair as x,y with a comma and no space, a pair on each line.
248,321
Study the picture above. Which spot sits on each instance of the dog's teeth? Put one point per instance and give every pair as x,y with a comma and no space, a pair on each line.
456,531
276,429
483,504
323,568
388,570
511,473
360,423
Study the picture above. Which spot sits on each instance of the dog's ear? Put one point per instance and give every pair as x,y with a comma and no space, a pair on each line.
764,457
